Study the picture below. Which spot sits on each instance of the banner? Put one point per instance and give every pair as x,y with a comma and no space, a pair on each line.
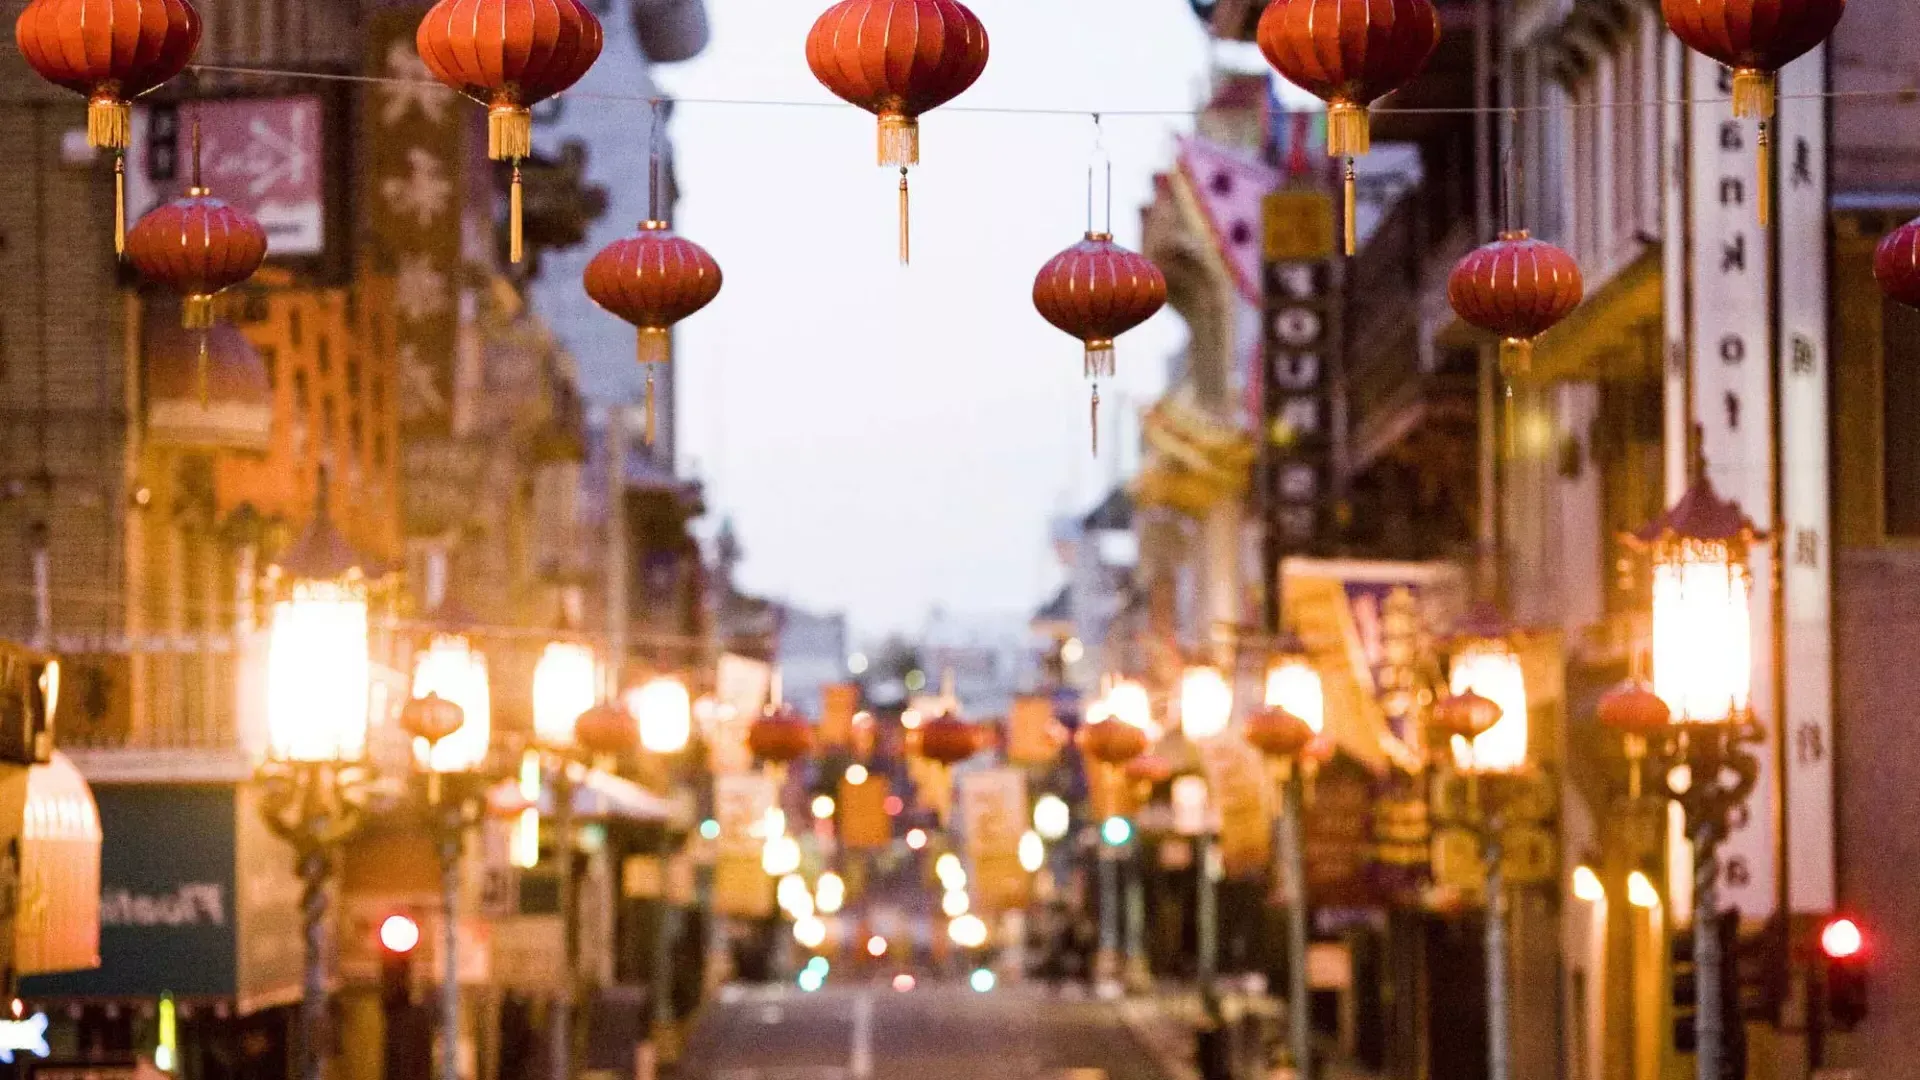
741,805
1237,775
993,815
864,824
838,703
263,155
1337,835
1031,732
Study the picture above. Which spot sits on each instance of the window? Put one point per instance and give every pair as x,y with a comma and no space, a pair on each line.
293,325
323,349
353,379
1900,437
270,359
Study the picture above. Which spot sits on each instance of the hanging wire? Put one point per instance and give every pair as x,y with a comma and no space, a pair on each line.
1511,185
1100,163
1903,94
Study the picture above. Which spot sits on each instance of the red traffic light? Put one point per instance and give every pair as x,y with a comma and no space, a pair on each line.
1841,939
399,934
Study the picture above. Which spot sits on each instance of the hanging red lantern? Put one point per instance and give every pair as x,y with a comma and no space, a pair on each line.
1633,709
1756,40
509,55
1516,287
1467,715
947,740
1097,290
606,730
1896,264
898,59
1278,734
782,737
431,718
653,280
1349,53
1112,742
197,246
112,51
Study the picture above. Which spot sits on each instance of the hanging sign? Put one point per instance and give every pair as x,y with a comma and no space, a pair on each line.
1030,732
838,704
1237,775
864,824
993,813
1296,385
1731,336
1802,338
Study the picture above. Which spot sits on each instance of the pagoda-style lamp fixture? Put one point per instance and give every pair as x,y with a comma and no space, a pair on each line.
1206,703
1484,663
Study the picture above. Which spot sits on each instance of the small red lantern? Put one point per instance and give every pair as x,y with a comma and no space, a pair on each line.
431,718
1149,769
653,280
1467,715
948,740
1349,53
1633,709
1112,742
199,247
1516,287
1097,290
509,55
112,51
606,730
1278,734
1756,40
1896,264
898,59
782,737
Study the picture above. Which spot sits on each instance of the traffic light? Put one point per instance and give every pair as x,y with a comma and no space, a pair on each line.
399,936
1843,951
1761,967
1686,991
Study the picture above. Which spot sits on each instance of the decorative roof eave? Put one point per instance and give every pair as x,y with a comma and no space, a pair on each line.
1701,515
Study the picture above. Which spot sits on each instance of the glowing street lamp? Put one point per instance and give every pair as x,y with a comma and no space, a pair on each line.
566,683
1206,703
1293,684
1485,663
318,680
451,669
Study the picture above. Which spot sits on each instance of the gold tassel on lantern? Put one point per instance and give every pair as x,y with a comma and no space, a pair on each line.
1765,200
119,204
109,123
1352,224
1095,413
899,140
651,429
1753,93
1099,362
1348,132
509,131
655,342
516,244
1516,357
196,312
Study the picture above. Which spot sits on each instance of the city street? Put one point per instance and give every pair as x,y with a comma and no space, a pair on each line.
855,1032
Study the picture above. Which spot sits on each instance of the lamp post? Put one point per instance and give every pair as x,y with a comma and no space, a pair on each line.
450,720
317,700
1703,673
664,711
1206,708
1115,734
1294,715
568,716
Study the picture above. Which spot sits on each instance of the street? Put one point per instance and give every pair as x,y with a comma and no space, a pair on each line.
946,1032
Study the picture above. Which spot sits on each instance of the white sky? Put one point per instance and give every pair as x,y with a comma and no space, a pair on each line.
890,440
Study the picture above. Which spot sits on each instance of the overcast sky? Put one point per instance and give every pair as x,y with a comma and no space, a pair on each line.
886,440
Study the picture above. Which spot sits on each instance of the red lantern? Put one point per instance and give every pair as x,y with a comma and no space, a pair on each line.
509,55
606,730
898,59
653,280
1149,769
199,247
1516,287
1896,264
1633,709
1467,715
431,718
782,737
1756,40
1112,742
1097,290
112,51
1349,53
1278,734
948,740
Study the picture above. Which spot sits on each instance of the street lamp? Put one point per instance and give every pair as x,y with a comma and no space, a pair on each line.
1206,703
1115,735
1485,663
1703,674
1294,715
664,710
317,693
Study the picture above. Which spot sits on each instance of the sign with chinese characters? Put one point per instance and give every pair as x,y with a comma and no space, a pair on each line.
1730,335
1237,777
264,155
993,810
1802,337
1336,841
1296,387
415,159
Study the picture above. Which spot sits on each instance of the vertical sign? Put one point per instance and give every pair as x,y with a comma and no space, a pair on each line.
1298,410
838,703
1674,203
741,803
864,823
1031,738
1807,635
993,808
1733,401
1237,775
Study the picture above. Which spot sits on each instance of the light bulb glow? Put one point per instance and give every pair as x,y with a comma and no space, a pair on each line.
1032,852
452,668
876,946
525,843
949,872
1587,886
955,903
830,894
1052,818
1206,703
968,931
780,857
857,775
1129,703
1640,891
1702,632
822,807
1294,685
399,934
982,980
916,838
1841,939
566,683
318,674
664,710
1492,669
794,897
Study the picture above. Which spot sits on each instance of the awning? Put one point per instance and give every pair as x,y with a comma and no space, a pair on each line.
1615,335
597,796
